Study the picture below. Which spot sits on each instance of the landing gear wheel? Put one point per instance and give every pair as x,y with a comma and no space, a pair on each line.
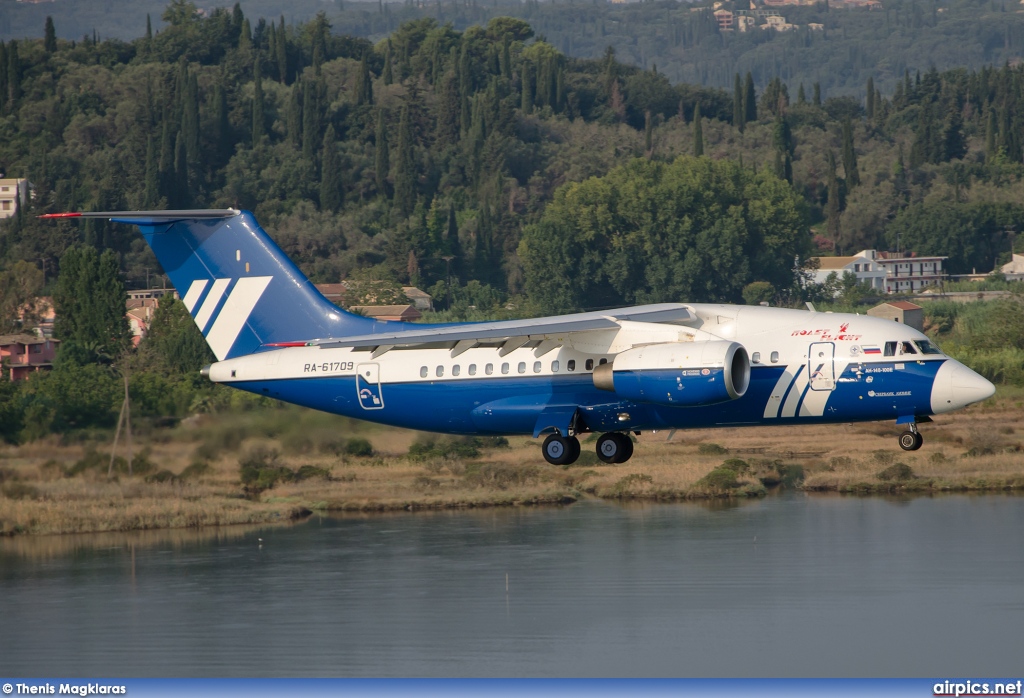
911,440
574,450
560,450
614,447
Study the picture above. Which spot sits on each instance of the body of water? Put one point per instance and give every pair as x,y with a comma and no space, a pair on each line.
789,585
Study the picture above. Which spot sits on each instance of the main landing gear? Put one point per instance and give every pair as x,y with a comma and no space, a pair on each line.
911,440
613,447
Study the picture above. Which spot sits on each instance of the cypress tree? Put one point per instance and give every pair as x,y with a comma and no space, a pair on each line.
405,167
388,70
451,234
832,208
817,94
526,78
3,76
245,36
449,111
365,94
900,173
282,53
190,118
149,30
801,96
648,134
871,99
152,190
990,136
382,160
167,163
698,132
49,35
849,156
737,105
183,198
310,121
330,174
222,127
749,101
259,127
237,17
506,58
13,73
293,119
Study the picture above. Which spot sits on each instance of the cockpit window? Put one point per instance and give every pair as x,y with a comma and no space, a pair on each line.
890,348
927,347
907,348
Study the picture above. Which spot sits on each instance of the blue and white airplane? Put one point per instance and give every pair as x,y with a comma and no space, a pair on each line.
663,366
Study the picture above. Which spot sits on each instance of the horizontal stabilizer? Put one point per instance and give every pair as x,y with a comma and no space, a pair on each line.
137,216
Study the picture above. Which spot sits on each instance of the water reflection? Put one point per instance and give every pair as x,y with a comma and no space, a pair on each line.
787,585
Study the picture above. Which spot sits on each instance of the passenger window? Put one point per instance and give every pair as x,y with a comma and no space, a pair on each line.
456,370
890,348
590,364
756,358
554,367
571,365
602,362
439,372
907,348
775,357
536,366
423,371
504,369
489,369
472,369
522,367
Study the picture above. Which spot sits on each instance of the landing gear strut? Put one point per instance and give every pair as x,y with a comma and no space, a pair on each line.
561,450
614,447
911,440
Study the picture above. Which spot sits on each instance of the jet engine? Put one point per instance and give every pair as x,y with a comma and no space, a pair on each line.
684,374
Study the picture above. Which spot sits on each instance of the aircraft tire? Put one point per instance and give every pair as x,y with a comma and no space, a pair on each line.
574,450
557,449
627,448
911,441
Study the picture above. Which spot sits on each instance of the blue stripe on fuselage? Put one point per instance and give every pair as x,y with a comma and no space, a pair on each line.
512,404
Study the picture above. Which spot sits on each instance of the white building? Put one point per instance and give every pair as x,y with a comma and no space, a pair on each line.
910,274
1014,269
13,193
862,265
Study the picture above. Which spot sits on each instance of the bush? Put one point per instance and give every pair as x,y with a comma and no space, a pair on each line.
358,446
898,472
20,490
308,472
261,470
711,450
737,465
429,446
195,470
719,479
502,475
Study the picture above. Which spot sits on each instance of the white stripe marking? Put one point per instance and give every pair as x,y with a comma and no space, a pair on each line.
799,388
210,304
771,410
194,292
232,318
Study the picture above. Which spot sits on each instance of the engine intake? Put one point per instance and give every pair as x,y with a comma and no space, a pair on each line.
685,374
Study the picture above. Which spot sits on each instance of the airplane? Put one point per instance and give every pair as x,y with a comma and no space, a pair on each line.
614,372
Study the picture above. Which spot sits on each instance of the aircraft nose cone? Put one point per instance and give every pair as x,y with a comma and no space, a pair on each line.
957,386
969,387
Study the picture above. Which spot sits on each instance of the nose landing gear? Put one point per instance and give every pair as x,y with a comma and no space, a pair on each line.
911,440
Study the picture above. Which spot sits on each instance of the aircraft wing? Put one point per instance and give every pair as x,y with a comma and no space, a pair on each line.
514,333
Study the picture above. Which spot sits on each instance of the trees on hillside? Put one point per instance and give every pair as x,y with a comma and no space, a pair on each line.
692,229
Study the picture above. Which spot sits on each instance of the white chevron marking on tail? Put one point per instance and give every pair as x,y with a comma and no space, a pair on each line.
235,314
799,388
194,292
210,304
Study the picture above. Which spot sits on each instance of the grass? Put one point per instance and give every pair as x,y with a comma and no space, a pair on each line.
279,465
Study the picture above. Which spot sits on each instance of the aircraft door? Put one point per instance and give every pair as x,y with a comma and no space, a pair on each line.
821,366
368,386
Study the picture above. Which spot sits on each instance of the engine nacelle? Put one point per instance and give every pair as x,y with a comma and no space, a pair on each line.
685,374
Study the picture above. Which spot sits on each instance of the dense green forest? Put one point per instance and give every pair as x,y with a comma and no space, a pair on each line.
485,166
685,44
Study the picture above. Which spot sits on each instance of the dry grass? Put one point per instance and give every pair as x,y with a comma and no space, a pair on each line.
979,448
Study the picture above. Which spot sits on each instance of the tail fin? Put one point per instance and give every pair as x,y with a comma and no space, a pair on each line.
241,289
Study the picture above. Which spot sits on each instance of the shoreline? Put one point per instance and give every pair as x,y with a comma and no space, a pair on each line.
284,465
